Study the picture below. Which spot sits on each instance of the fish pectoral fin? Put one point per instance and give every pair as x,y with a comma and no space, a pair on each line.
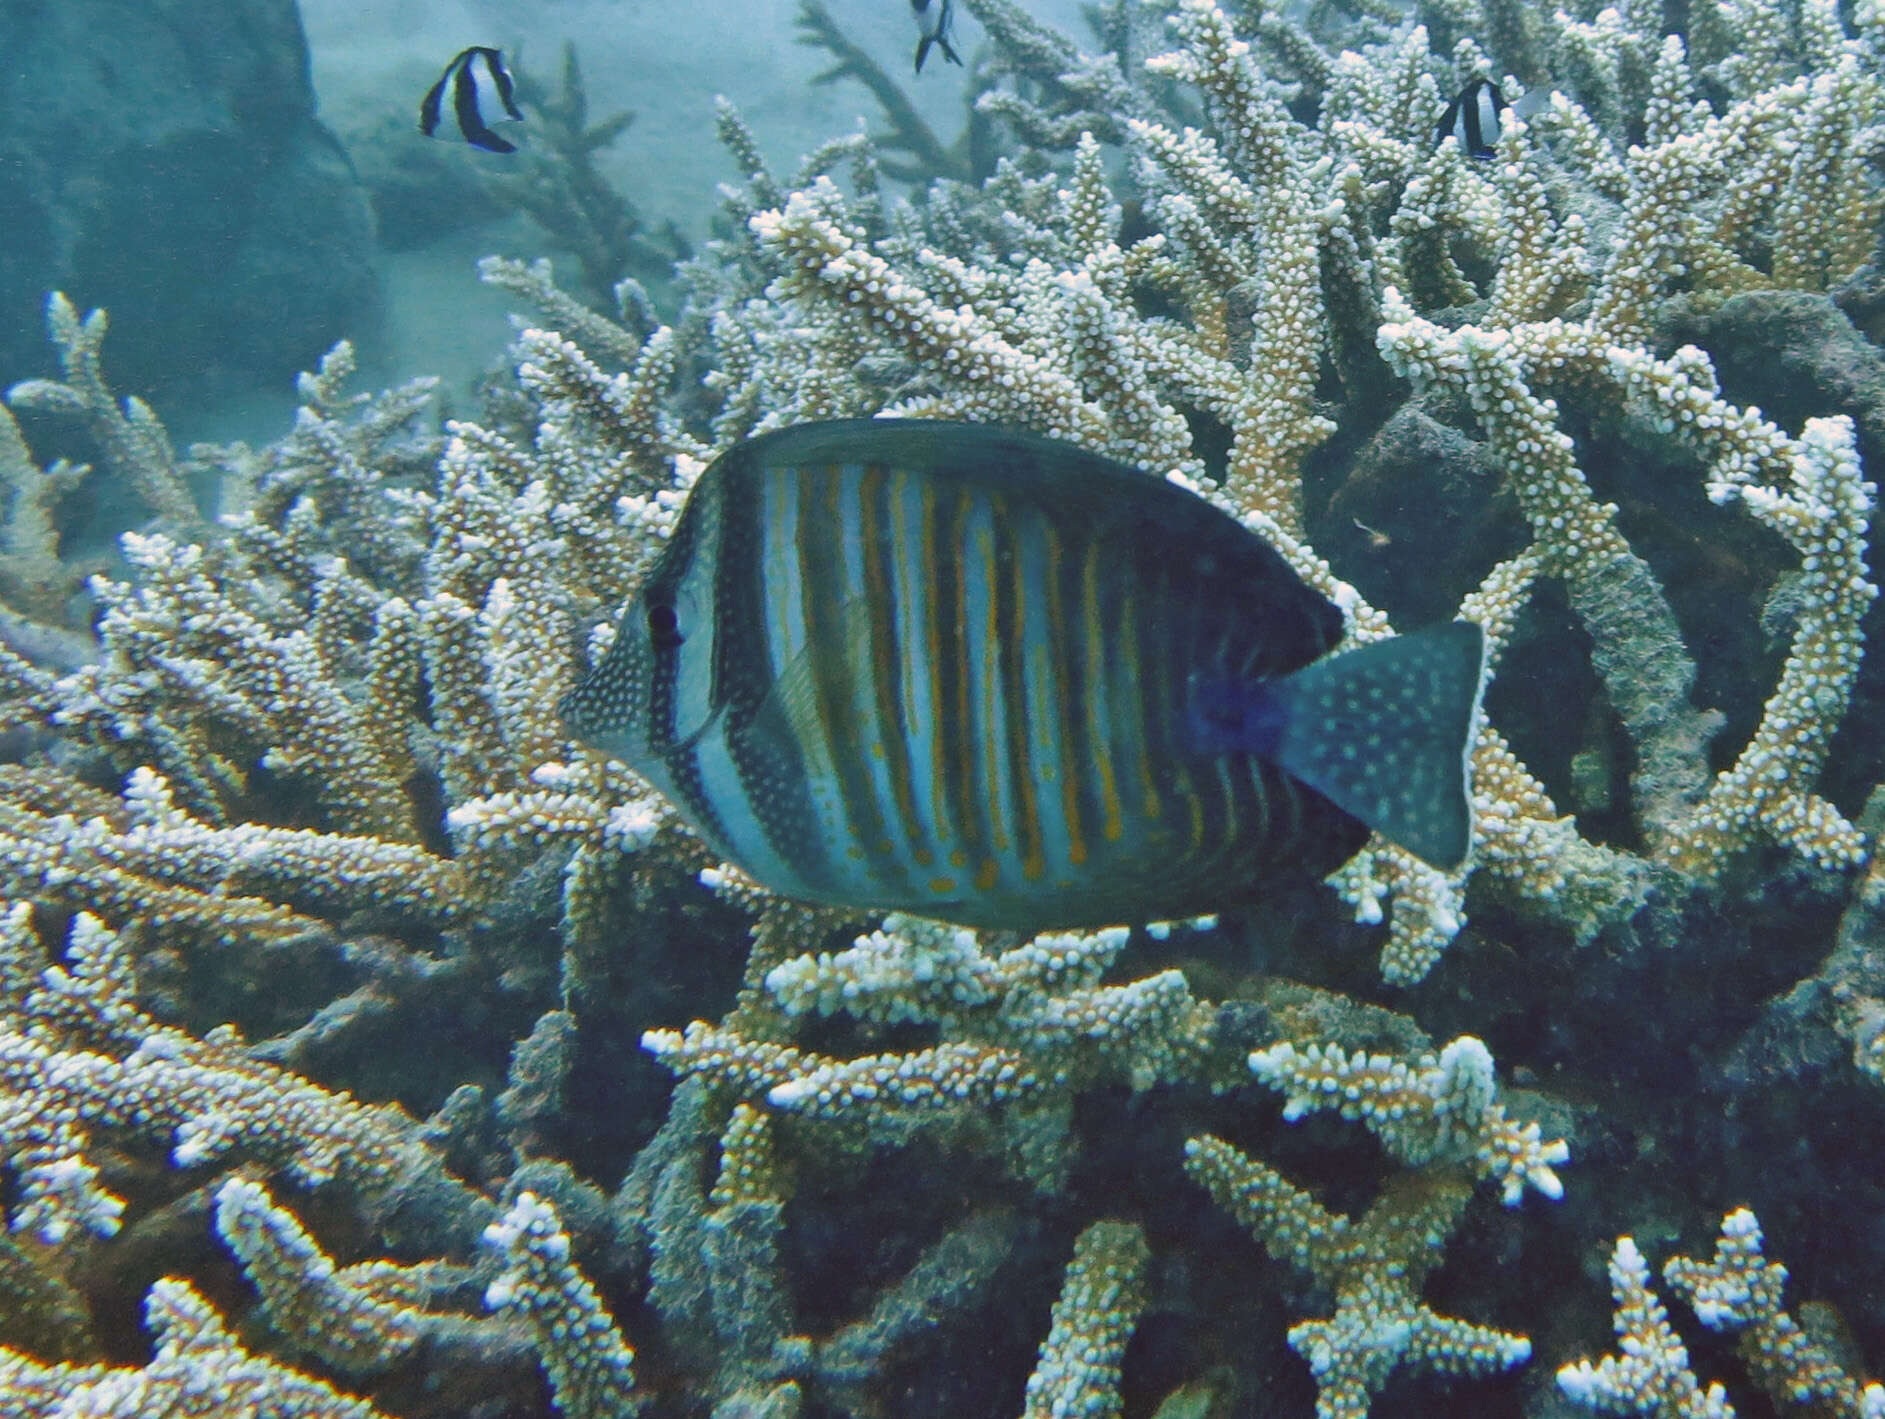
788,719
778,725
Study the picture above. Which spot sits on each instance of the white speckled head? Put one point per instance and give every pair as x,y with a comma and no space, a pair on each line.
609,709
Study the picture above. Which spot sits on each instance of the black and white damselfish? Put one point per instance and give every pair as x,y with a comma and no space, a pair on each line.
469,69
986,676
1473,118
932,30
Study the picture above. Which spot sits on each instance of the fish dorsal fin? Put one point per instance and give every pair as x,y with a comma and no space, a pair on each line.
787,719
501,82
1384,732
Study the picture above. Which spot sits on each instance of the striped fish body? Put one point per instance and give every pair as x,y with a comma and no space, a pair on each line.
469,70
952,669
1472,119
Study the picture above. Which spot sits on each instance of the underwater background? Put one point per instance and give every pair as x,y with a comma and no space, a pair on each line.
367,1047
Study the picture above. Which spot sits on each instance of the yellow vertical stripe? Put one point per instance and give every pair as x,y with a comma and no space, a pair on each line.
880,547
905,504
1260,797
942,806
854,723
1133,706
1098,693
1061,652
809,525
1160,703
822,575
954,720
1167,677
1013,663
990,738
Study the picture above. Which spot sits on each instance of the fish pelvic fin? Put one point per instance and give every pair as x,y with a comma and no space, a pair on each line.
486,139
1385,733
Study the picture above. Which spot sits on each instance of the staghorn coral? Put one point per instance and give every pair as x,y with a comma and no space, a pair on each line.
590,1366
1439,1118
77,1057
1099,1304
1441,1109
313,745
352,1318
1738,1291
1022,1030
1374,1265
198,1369
37,584
925,156
129,435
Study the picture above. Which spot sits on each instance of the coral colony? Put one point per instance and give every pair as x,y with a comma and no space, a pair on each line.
298,851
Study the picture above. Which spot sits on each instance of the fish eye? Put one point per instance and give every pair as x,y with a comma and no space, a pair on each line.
664,627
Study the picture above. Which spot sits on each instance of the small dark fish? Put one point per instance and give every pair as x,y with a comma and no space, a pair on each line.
932,28
982,675
463,76
1473,118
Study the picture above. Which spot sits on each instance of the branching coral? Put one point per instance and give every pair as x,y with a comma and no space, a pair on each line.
36,583
317,741
590,1366
1099,1304
1739,1292
1438,1117
130,435
1021,1030
199,1369
78,1058
1053,341
351,1317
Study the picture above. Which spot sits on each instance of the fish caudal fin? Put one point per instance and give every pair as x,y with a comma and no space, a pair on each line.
1384,732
